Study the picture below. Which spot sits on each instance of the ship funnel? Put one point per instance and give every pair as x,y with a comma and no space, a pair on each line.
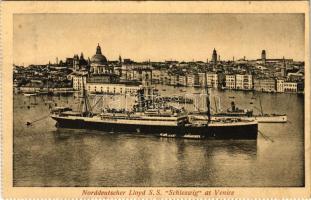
233,106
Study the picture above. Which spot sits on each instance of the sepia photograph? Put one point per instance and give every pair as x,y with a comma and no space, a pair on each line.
180,101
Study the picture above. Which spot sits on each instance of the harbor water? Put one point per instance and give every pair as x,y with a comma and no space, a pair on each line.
48,156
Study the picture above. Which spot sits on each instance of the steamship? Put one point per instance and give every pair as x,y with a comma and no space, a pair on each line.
146,118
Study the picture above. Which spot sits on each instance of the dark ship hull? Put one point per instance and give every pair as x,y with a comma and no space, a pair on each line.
213,130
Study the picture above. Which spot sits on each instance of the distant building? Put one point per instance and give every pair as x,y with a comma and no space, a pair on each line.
279,85
212,80
263,56
156,75
147,83
300,86
99,63
192,80
69,62
201,79
78,79
174,80
295,77
79,63
290,87
214,57
230,81
182,80
134,71
265,85
243,82
283,68
128,87
221,80
165,78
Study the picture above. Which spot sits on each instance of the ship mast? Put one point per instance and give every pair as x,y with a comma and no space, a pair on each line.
207,99
215,104
261,110
85,109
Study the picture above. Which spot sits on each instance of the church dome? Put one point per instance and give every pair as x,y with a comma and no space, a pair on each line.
99,58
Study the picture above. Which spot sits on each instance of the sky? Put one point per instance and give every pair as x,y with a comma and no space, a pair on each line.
40,38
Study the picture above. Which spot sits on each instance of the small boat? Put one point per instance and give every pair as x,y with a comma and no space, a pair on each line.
192,137
270,118
166,135
42,92
28,94
187,136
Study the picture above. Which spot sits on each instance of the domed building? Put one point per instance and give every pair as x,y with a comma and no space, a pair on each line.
99,63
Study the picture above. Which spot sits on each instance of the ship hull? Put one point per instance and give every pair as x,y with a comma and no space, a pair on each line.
259,118
272,119
212,131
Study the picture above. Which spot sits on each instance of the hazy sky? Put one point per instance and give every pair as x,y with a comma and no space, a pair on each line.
38,38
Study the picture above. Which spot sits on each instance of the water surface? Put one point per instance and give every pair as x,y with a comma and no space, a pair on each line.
47,156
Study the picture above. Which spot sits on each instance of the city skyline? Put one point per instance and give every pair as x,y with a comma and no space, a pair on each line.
40,38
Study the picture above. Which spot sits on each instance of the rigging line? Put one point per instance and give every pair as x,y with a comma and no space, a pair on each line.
42,118
96,103
265,136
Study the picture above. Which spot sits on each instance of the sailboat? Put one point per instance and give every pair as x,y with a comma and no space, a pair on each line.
269,118
243,114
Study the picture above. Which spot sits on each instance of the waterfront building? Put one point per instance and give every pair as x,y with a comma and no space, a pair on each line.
290,87
201,79
136,74
279,85
239,82
212,80
174,80
165,78
156,75
112,84
243,82
265,85
77,78
196,80
32,86
129,87
230,81
300,87
182,80
221,80
192,80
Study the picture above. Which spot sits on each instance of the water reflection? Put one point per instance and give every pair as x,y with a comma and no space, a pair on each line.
47,156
